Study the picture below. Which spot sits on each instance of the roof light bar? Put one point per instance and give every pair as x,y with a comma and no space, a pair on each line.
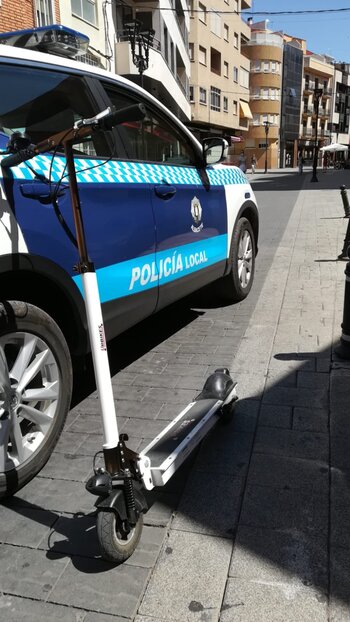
53,39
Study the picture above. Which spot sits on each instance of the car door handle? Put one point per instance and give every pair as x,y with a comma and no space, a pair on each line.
40,191
164,191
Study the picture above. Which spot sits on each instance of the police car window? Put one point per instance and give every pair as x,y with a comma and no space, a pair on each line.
150,140
42,102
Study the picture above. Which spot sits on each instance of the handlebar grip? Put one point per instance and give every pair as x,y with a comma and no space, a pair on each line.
137,112
16,158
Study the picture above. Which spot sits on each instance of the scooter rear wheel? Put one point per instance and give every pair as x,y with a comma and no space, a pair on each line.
115,542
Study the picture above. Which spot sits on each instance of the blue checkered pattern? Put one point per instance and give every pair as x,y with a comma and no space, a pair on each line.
128,172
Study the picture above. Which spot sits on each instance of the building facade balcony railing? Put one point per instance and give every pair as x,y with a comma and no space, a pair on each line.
323,114
307,132
265,97
327,92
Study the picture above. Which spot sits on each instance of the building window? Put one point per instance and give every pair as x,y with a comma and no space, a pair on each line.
266,65
215,99
255,92
225,69
226,32
215,23
235,40
235,74
202,55
244,76
202,95
191,51
265,93
191,94
235,107
85,9
263,145
44,14
265,118
255,65
273,66
225,104
202,13
256,119
215,61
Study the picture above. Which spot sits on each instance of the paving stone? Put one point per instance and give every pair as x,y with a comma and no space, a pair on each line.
163,380
209,505
148,548
161,508
172,396
274,508
224,451
178,369
301,397
67,466
291,557
178,589
26,572
340,452
312,380
91,424
147,409
252,602
340,509
48,494
292,443
245,415
275,416
103,617
144,428
310,419
74,535
69,442
25,526
98,586
13,609
288,473
339,585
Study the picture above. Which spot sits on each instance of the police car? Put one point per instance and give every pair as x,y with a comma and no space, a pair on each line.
163,217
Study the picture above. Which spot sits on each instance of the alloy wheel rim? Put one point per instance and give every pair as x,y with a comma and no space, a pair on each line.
245,259
29,396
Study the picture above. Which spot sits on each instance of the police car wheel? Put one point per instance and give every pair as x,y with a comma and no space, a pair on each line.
116,543
238,283
35,391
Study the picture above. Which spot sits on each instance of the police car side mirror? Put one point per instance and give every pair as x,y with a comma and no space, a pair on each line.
214,150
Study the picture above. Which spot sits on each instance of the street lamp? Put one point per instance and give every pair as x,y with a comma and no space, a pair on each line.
267,127
317,96
140,41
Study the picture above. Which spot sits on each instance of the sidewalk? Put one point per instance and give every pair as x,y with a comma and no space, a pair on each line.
269,539
257,529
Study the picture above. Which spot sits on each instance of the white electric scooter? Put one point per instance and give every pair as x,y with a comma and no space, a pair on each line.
120,483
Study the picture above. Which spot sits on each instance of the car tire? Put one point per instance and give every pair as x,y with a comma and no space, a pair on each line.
35,391
236,285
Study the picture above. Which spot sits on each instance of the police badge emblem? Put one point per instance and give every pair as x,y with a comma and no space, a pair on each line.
196,211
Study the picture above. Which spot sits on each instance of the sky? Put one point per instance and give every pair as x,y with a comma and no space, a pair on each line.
325,34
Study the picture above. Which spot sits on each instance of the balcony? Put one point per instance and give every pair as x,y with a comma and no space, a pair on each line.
308,111
323,114
327,92
309,88
307,132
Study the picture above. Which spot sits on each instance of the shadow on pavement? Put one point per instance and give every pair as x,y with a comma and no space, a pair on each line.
291,180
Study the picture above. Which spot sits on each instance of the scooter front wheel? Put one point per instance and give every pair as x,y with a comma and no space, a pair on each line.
117,542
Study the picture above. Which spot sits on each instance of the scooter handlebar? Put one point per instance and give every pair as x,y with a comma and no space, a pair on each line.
16,158
124,115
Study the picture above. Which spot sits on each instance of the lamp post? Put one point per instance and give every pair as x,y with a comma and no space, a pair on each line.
267,127
140,41
317,96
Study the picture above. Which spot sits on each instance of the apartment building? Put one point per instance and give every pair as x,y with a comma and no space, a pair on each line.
168,73
265,52
15,15
318,74
291,96
219,86
340,122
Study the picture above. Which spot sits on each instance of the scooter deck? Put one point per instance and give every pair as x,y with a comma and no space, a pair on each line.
172,446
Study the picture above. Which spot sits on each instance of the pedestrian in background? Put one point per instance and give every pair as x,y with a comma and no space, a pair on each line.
242,162
253,163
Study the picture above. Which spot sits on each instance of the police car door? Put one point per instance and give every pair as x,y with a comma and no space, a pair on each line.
116,204
190,212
